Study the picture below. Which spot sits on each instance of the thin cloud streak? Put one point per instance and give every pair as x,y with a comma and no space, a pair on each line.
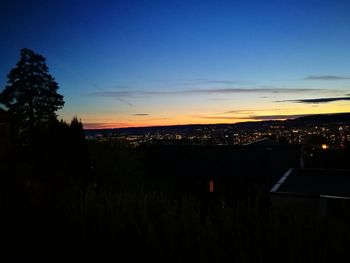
200,81
254,117
219,99
248,111
220,117
251,90
222,81
104,125
200,91
278,117
209,81
326,77
140,114
317,100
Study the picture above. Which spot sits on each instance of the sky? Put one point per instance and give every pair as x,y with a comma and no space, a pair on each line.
144,63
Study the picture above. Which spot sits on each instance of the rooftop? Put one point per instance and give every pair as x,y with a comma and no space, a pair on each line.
314,182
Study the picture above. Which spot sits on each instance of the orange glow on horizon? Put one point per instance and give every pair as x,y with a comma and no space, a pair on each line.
203,116
112,125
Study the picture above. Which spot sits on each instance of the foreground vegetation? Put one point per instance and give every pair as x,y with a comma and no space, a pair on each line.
54,208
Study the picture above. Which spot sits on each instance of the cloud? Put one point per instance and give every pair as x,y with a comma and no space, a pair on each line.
250,90
219,99
140,114
113,94
255,117
208,81
317,100
219,117
326,77
247,111
222,81
118,94
104,125
277,117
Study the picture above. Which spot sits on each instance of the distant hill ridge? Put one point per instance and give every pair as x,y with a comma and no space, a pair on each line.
335,117
300,121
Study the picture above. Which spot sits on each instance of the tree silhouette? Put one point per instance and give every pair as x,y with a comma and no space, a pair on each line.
31,93
77,130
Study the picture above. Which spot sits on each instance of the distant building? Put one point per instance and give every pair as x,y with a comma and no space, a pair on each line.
4,133
313,190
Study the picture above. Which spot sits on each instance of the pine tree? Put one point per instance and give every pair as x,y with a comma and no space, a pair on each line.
31,93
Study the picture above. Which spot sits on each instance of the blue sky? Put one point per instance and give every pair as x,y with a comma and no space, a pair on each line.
137,63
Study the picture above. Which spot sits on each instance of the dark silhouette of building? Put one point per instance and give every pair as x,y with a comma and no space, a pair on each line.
227,172
326,191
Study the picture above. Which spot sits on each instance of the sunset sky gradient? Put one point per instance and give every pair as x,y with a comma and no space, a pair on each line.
143,63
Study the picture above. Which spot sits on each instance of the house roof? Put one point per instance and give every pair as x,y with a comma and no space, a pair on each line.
314,182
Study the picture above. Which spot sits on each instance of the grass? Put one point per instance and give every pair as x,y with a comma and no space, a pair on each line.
151,225
112,215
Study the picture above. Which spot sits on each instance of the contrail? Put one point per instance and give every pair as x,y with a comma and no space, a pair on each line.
69,69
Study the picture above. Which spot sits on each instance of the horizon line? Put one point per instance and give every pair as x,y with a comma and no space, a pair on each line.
221,123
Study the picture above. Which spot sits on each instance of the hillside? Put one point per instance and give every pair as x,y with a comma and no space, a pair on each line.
301,121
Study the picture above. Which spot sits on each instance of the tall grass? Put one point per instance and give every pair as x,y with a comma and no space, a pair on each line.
110,216
151,225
